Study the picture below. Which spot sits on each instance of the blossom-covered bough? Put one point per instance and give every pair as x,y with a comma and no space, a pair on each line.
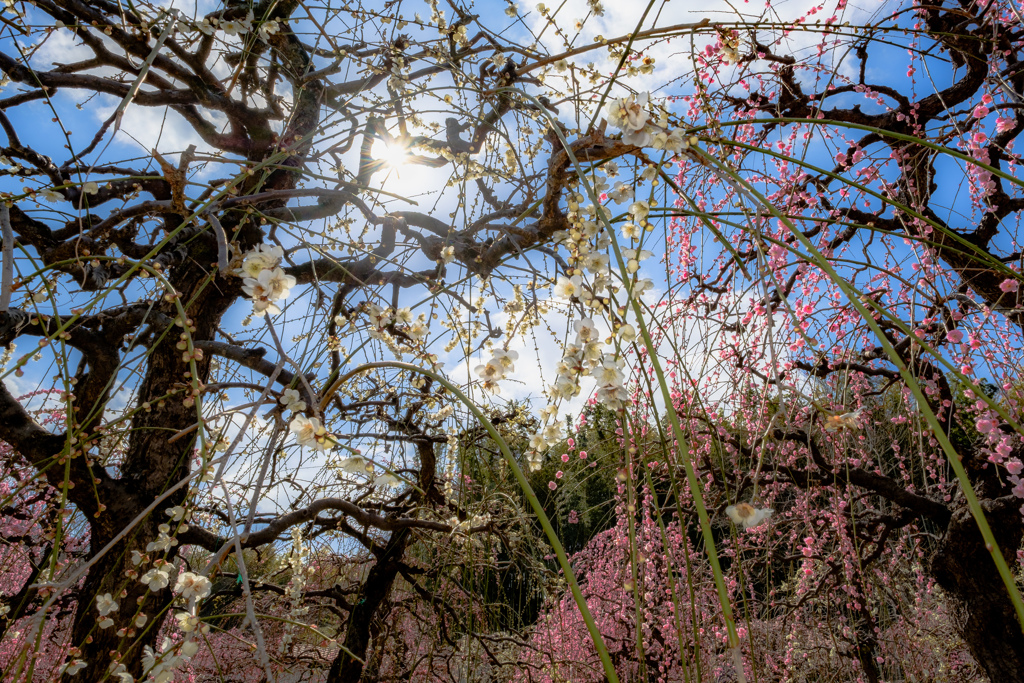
228,233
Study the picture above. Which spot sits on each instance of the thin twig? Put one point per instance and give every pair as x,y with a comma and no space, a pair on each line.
243,574
222,244
144,69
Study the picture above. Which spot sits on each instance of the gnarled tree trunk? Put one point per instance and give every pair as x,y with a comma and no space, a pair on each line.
978,600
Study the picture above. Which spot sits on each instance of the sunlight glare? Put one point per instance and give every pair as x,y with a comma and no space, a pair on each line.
393,153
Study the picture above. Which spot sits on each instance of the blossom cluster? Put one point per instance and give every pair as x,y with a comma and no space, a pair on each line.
296,586
232,27
852,420
593,284
501,364
161,665
631,116
591,281
415,328
264,281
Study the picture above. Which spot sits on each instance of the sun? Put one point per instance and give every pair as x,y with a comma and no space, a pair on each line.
403,170
392,152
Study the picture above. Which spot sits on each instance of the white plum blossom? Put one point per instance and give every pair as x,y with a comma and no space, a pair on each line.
120,671
269,286
596,263
187,622
593,351
189,648
746,515
357,464
505,359
674,142
164,541
629,114
105,604
269,28
639,210
641,286
291,399
418,330
191,586
621,193
379,317
631,117
612,396
501,363
634,257
262,257
553,433
568,287
388,479
490,371
234,27
157,578
597,183
608,372
564,387
586,330
72,667
309,432
52,195
730,49
160,669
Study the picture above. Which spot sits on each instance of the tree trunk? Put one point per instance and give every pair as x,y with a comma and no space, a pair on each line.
979,604
100,647
152,464
376,588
